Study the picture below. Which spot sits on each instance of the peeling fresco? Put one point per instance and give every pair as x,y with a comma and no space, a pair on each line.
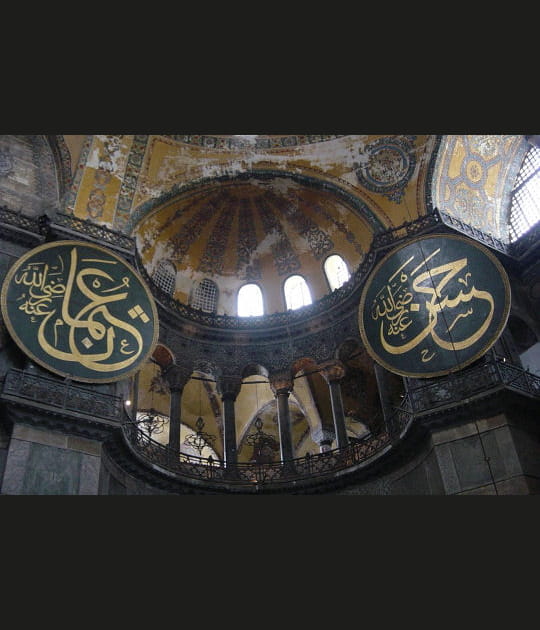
129,181
311,196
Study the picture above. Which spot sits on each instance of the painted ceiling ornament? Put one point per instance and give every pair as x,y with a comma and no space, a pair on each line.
254,141
387,165
486,146
80,311
434,305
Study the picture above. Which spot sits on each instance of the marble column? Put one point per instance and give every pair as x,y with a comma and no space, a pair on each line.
175,421
132,410
333,372
228,389
282,385
177,380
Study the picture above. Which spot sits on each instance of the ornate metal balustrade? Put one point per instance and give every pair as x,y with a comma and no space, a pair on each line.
68,226
460,388
22,386
475,382
310,468
36,225
469,230
75,227
393,236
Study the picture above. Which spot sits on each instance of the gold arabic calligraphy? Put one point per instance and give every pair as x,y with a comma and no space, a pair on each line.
398,302
49,295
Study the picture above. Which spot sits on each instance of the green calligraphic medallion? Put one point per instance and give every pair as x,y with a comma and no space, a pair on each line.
434,305
80,311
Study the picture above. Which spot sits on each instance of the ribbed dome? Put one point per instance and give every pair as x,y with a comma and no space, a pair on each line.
253,229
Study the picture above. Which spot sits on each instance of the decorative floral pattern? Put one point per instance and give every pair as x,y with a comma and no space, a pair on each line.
285,258
248,267
216,245
387,165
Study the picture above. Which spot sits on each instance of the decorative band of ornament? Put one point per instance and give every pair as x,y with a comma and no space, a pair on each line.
433,305
81,228
36,225
251,142
93,230
80,311
64,395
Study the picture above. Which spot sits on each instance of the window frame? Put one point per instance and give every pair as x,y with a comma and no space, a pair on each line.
295,275
247,284
194,296
326,274
516,216
162,264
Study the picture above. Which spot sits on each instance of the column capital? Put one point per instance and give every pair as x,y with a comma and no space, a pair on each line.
228,387
332,371
176,377
281,382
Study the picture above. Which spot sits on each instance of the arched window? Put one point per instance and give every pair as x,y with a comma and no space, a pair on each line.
525,204
205,296
336,271
297,292
165,276
250,301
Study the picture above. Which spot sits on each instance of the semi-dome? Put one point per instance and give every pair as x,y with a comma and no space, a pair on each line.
253,228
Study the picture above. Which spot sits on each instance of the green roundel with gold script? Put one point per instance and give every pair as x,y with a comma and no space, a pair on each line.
80,311
433,305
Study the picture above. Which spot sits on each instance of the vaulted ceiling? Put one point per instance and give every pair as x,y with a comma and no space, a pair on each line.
239,208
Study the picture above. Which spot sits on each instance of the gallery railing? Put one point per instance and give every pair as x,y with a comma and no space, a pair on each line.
459,388
313,468
495,373
61,395
36,225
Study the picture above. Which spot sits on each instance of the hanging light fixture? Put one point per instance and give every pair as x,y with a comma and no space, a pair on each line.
262,442
151,421
200,438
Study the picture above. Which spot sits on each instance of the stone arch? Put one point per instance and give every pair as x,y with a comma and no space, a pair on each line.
62,159
305,364
252,369
163,356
